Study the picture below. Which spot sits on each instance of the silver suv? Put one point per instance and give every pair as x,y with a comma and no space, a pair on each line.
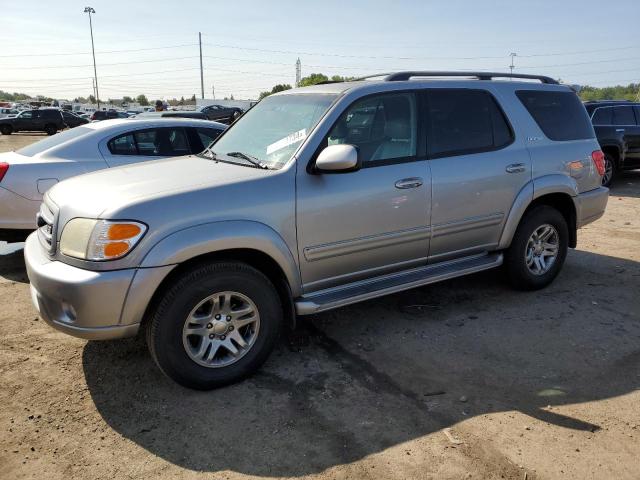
317,198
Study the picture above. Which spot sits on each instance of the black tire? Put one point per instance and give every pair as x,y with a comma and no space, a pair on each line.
519,274
609,163
6,129
50,129
165,324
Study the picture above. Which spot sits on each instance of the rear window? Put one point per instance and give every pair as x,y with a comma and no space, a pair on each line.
560,115
53,140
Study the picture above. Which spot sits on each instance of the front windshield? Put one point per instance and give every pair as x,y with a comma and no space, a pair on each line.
272,130
53,140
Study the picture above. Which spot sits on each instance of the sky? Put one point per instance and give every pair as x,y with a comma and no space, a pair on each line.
151,47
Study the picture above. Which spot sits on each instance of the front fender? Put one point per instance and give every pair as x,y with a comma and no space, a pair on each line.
225,235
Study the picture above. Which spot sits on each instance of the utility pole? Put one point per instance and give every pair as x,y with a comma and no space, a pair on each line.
90,10
298,72
213,91
93,84
513,55
201,72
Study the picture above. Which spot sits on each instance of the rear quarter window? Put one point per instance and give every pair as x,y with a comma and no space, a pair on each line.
560,115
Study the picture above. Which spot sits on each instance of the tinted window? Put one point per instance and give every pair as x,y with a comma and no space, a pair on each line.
382,127
465,121
50,114
123,145
560,115
207,135
26,114
623,116
603,116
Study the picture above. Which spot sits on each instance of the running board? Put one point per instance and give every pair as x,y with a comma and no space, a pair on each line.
376,287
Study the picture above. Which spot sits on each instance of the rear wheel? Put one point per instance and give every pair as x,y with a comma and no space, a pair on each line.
216,324
538,249
6,129
50,129
609,169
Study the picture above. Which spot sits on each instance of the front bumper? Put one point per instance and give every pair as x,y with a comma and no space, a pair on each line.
94,305
591,205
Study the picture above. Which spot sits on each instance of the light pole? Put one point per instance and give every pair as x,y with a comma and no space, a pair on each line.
90,10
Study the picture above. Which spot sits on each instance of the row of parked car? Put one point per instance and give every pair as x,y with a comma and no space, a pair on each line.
52,120
315,198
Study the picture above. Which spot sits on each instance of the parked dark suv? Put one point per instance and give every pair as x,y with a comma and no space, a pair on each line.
73,120
617,126
47,120
108,115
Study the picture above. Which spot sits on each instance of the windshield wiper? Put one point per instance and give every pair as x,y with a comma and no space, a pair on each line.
252,160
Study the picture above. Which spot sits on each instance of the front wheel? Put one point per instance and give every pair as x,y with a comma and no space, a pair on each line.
216,324
538,249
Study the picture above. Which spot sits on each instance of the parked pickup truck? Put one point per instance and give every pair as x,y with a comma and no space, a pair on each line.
316,198
617,126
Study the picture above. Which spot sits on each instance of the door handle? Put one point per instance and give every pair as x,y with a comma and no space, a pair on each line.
413,182
619,129
516,168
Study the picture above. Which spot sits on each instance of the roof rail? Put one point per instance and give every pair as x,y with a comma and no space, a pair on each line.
401,76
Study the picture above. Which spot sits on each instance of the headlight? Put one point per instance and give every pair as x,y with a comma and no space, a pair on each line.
98,240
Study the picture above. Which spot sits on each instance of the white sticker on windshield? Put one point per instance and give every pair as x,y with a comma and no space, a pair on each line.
286,141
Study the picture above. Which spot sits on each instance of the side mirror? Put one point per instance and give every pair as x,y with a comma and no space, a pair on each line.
338,159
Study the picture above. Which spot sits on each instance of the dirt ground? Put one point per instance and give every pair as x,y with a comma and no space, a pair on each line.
464,379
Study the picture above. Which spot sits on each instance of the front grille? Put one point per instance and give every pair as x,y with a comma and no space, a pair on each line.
46,227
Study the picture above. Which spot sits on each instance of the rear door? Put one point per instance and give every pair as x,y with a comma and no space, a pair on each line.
477,167
625,122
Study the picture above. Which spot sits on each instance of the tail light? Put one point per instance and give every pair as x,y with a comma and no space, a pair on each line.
598,161
93,116
3,169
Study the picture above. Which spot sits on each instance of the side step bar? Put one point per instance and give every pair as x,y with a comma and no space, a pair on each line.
376,287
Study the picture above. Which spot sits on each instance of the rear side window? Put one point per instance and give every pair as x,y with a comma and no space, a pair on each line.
623,116
603,116
157,142
560,115
464,121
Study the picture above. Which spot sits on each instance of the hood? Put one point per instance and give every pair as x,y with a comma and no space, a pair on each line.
92,194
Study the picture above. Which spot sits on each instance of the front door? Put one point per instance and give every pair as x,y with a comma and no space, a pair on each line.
373,221
477,168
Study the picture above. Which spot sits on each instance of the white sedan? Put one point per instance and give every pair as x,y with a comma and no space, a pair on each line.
26,174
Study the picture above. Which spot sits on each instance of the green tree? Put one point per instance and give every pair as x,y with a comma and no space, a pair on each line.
142,100
193,97
618,92
127,99
92,99
313,79
281,87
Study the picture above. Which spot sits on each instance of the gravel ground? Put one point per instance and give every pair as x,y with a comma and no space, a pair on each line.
464,379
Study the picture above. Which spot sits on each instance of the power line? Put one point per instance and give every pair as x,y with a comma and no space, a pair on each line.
99,52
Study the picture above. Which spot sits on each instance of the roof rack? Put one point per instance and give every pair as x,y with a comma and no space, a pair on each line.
402,76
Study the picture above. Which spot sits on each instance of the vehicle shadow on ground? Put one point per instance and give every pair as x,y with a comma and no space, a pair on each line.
626,184
356,381
12,267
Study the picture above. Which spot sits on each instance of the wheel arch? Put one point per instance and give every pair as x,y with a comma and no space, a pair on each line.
557,191
252,243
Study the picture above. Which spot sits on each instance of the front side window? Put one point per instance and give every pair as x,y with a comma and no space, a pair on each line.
26,114
382,127
464,121
560,115
623,116
274,129
207,135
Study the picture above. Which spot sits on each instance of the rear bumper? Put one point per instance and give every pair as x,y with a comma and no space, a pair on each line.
591,205
89,304
17,212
